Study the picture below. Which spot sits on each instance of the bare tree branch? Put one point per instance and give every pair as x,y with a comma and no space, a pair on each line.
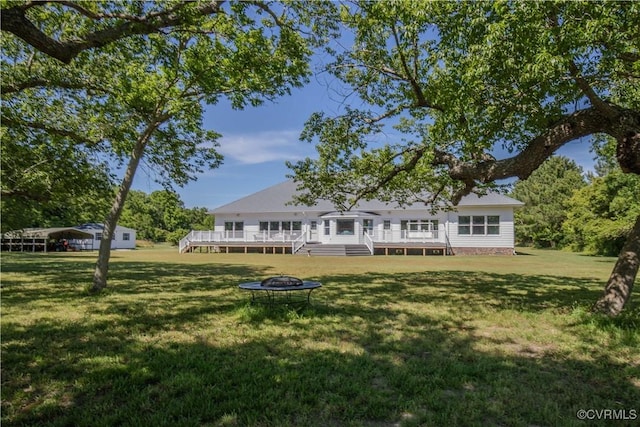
571,127
415,86
417,153
15,21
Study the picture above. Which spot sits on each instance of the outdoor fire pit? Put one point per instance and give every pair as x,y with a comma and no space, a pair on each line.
266,290
279,281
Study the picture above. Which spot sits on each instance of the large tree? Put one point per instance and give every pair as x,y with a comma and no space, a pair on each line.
138,75
445,98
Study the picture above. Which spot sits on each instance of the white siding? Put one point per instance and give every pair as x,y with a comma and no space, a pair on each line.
447,226
503,240
118,241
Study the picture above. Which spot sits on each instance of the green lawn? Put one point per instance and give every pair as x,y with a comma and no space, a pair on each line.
435,341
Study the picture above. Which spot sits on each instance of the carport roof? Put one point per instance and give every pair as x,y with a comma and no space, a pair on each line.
49,233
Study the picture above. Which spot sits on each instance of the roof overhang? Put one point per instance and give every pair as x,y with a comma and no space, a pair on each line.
349,214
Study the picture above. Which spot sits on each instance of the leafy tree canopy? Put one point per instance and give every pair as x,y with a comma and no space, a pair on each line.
460,81
137,78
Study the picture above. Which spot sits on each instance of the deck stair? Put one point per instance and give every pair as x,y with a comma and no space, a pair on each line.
319,249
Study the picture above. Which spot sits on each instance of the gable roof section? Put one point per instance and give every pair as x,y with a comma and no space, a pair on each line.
277,198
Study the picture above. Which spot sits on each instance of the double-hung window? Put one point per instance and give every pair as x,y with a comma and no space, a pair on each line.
479,225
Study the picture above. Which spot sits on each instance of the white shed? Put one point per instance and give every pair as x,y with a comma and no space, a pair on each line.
123,238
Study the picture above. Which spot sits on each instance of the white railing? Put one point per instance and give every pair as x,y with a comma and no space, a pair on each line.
207,236
369,242
297,237
299,242
277,236
210,236
405,236
184,242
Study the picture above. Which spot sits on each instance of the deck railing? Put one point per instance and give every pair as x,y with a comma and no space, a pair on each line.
297,236
275,236
298,243
405,236
369,242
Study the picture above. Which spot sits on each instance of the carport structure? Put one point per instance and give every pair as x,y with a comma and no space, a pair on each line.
46,239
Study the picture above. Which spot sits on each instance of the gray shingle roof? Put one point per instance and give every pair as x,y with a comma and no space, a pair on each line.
276,199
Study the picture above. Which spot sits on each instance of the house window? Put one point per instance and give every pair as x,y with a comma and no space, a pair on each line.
493,224
464,226
418,227
234,229
314,225
327,227
286,226
126,237
387,224
98,236
345,227
479,225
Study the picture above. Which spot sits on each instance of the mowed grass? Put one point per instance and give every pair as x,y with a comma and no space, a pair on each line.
433,341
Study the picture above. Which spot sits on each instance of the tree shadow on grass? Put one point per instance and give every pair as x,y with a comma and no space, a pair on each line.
474,289
359,376
67,279
371,350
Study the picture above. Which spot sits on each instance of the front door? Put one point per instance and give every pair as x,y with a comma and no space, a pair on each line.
313,231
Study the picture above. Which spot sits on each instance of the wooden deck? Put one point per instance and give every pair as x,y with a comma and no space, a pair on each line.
380,248
241,247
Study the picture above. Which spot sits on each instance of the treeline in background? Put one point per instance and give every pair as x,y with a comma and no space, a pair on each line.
157,217
566,208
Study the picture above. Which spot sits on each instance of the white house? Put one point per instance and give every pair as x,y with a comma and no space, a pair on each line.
266,222
123,237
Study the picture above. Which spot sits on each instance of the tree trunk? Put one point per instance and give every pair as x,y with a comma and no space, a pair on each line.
102,264
618,289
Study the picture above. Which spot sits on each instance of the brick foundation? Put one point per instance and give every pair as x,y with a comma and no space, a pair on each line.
483,251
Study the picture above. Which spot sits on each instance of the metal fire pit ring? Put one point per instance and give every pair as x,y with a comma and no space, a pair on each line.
280,289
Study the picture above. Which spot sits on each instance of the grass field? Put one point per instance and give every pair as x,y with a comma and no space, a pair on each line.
434,341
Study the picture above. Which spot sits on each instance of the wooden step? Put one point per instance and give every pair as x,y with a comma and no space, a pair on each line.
319,249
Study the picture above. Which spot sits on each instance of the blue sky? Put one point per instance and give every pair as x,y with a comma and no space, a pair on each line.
256,142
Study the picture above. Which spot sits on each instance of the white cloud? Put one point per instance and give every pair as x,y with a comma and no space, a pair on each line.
262,147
